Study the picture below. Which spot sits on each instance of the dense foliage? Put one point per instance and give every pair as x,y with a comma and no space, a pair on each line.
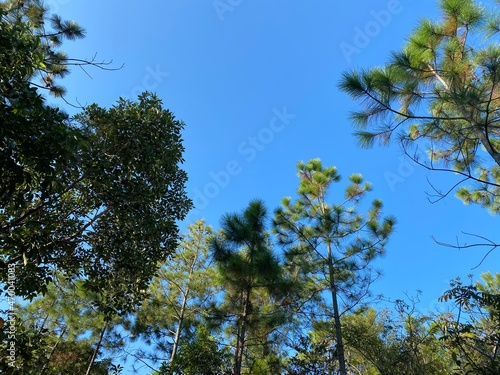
89,206
438,97
61,332
95,196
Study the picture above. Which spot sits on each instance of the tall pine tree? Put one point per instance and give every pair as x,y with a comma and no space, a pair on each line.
178,297
438,98
332,243
252,278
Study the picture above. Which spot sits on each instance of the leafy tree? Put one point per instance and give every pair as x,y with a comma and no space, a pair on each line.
35,146
137,194
111,214
179,295
332,244
473,332
253,280
96,196
440,93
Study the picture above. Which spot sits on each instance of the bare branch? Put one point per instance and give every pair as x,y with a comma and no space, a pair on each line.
488,243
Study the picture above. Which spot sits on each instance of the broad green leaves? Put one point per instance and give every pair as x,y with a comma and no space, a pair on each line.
134,190
97,195
473,333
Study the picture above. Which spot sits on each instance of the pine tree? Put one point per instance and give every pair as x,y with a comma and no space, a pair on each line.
63,332
440,94
332,244
252,278
179,296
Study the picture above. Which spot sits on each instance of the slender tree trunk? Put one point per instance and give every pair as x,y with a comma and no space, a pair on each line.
336,313
179,326
240,340
237,365
46,364
182,312
98,346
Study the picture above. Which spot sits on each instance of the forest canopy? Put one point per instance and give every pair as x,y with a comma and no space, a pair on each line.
100,276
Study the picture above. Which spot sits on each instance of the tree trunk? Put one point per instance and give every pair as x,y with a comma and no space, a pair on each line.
46,364
179,326
180,323
237,363
98,346
336,314
240,339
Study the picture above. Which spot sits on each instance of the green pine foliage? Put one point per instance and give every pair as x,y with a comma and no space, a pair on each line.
89,207
438,98
178,297
31,20
254,285
332,244
63,332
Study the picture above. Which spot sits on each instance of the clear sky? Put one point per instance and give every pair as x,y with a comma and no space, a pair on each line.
256,84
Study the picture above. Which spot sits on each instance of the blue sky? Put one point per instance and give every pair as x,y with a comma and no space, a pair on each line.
256,84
